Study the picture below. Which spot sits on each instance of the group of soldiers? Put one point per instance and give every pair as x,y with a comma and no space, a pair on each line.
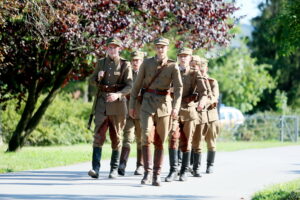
149,100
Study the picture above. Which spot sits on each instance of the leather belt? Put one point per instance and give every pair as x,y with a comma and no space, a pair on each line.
158,92
111,88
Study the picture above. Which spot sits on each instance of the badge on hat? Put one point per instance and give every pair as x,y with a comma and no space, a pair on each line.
114,40
162,41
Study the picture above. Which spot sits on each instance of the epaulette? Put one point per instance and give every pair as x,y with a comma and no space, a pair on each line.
171,61
121,58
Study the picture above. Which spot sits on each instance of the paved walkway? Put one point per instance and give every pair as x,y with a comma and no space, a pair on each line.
237,176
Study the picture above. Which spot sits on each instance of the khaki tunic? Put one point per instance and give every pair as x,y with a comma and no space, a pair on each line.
133,128
208,131
188,116
111,115
156,109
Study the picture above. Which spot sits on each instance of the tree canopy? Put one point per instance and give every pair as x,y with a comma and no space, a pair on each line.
44,43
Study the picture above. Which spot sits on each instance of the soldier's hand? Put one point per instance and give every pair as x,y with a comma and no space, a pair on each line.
100,75
174,114
132,113
199,108
112,97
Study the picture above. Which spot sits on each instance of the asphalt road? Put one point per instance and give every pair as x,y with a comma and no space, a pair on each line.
237,175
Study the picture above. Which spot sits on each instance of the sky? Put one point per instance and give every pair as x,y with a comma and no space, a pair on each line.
248,8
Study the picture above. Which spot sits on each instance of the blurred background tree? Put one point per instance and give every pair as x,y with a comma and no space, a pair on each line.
275,41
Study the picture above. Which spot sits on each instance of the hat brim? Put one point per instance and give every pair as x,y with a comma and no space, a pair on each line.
114,43
162,43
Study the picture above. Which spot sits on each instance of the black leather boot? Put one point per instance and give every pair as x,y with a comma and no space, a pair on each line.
191,162
94,173
196,164
179,158
123,160
114,163
173,157
185,166
147,179
210,161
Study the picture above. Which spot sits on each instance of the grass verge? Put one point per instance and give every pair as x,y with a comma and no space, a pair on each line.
283,191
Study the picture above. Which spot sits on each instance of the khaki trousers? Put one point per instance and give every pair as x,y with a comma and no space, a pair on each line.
115,124
132,130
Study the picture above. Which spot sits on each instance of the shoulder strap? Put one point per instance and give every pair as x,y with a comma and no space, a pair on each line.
155,76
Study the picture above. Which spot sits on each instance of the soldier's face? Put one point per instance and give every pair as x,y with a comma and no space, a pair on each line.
113,50
161,50
184,59
136,63
203,69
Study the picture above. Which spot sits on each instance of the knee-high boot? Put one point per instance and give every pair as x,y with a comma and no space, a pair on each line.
185,165
123,160
158,161
147,179
94,173
139,163
114,163
173,157
210,161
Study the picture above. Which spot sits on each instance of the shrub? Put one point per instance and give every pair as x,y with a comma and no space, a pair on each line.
64,123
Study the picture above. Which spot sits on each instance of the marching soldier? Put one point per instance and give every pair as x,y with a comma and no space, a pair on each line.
113,77
209,127
155,78
132,127
183,128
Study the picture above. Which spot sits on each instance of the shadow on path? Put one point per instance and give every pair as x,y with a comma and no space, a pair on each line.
103,197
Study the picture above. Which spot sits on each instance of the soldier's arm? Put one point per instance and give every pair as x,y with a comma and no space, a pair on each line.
137,86
94,75
127,80
202,90
215,91
177,87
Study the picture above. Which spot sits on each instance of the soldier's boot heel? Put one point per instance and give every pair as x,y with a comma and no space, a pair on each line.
156,181
172,176
139,170
147,179
183,177
113,173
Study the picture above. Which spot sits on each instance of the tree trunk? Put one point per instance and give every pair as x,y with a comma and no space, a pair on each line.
29,122
15,141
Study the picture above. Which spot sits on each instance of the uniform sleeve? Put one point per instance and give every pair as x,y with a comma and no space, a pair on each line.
177,87
137,86
94,76
202,90
127,80
215,91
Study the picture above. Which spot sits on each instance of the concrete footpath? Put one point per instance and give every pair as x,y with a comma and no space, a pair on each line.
237,176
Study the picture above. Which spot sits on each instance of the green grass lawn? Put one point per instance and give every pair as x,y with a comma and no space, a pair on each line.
29,158
283,191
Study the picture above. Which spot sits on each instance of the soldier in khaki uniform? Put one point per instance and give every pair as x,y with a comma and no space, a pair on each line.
113,77
209,127
155,78
183,128
132,127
